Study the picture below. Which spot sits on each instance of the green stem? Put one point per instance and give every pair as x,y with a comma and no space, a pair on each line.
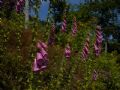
26,13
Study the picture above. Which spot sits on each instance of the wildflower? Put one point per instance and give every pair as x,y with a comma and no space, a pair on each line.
95,75
19,5
67,51
44,53
41,59
1,3
35,66
41,45
74,29
39,56
64,23
41,62
98,42
85,50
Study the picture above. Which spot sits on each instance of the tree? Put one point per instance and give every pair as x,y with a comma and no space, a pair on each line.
104,11
57,10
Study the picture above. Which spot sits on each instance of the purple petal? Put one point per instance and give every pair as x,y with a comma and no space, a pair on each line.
35,66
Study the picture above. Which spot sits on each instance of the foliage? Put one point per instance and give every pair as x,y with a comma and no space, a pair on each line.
18,50
105,13
57,10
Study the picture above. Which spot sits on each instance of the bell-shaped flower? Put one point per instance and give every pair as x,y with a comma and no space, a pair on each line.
64,24
74,28
19,5
44,53
95,75
98,42
85,51
67,52
39,56
35,66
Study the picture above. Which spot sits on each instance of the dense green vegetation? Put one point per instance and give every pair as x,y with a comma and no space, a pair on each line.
18,50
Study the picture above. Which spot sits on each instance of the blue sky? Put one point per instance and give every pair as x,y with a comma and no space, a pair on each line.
44,10
45,5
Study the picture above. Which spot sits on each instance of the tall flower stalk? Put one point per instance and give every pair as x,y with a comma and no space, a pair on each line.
19,5
74,28
94,76
67,52
41,59
85,51
64,24
98,42
1,3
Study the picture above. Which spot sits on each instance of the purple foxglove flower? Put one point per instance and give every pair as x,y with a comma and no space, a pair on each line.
74,29
39,56
39,59
98,42
95,47
43,68
67,51
38,45
39,63
43,64
85,50
43,45
21,0
84,55
64,25
99,36
35,66
1,1
19,5
50,41
94,75
96,50
98,31
43,52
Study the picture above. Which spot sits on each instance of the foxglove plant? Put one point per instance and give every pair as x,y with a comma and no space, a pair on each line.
41,59
67,52
52,35
98,42
85,50
41,45
35,66
94,76
74,28
19,5
1,3
64,24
